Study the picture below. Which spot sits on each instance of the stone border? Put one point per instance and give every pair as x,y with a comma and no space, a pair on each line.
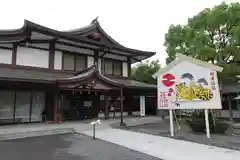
37,133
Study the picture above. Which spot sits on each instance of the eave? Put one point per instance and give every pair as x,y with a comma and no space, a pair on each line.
95,25
23,34
92,74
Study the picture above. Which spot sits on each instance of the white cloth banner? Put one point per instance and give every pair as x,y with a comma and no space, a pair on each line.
142,105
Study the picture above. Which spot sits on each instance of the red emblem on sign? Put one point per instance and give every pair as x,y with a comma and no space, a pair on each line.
168,80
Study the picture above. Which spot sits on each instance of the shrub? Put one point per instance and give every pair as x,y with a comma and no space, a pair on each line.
197,124
220,127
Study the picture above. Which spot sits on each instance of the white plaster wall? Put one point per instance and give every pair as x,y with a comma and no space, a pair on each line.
74,49
32,57
5,56
114,56
40,45
100,65
197,72
58,60
90,61
124,69
36,35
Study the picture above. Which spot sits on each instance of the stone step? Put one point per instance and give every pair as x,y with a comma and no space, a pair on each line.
236,129
36,133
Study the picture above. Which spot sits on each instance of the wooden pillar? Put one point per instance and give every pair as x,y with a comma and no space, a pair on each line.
51,55
121,106
95,56
129,102
238,106
106,100
129,67
14,55
230,109
56,114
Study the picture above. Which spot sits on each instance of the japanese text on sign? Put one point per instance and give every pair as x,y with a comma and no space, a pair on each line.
212,81
163,99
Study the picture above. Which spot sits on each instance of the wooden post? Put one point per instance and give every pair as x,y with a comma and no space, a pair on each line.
56,108
129,103
121,105
106,100
171,122
207,123
230,109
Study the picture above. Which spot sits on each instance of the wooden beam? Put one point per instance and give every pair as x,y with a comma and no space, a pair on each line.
121,106
102,55
129,67
51,55
105,50
14,55
135,59
40,40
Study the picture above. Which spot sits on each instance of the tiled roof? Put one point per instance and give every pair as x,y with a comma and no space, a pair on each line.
51,77
29,75
133,83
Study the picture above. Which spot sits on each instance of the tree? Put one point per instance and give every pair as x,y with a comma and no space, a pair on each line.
212,35
144,71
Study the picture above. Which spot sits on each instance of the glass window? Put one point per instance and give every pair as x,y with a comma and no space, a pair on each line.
6,107
117,68
22,113
108,67
112,67
80,63
38,106
68,61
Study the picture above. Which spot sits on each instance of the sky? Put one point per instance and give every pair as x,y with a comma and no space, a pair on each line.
138,24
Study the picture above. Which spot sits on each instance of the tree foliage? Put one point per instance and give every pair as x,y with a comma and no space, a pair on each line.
143,72
212,35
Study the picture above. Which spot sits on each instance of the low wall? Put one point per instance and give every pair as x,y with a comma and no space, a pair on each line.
225,113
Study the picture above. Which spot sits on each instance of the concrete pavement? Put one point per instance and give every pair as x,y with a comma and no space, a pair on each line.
163,147
157,146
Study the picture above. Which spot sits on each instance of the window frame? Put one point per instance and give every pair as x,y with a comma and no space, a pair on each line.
113,68
75,57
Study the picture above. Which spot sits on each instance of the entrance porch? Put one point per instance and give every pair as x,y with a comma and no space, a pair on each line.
89,93
85,95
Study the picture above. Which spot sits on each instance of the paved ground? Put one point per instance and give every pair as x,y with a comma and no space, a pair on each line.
73,147
66,147
162,129
163,147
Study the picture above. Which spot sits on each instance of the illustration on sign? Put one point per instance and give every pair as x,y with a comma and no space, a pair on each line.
189,89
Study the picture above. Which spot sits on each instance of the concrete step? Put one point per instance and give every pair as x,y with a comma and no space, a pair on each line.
236,129
36,133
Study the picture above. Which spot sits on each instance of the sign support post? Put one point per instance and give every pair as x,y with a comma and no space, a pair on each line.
171,122
207,123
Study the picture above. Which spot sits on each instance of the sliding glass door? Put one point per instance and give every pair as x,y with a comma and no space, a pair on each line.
6,107
22,111
21,107
38,105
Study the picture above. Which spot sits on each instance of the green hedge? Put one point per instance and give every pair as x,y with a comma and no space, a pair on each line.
197,124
